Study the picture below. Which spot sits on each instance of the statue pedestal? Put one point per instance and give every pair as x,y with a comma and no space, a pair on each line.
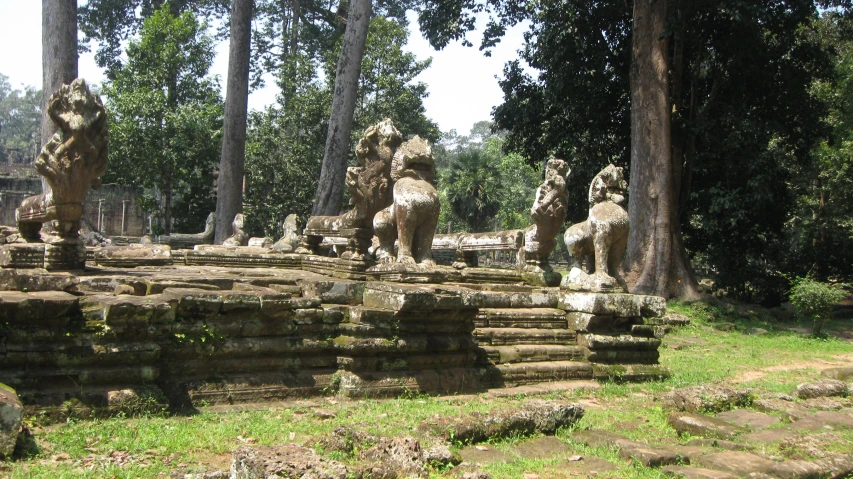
58,256
22,255
412,273
65,255
578,280
541,278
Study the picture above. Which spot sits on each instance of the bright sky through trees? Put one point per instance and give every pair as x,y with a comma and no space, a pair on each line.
462,84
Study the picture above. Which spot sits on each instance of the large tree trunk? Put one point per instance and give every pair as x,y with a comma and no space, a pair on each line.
656,262
58,57
330,189
229,188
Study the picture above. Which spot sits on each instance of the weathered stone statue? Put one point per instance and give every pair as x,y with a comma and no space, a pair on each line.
548,214
413,215
597,244
239,237
369,185
290,234
71,162
181,240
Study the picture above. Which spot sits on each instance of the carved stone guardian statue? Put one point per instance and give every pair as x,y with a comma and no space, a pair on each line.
238,237
413,215
291,229
71,162
369,185
548,214
598,244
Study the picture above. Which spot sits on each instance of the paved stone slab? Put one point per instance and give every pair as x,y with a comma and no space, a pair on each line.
721,444
701,425
586,466
649,456
483,454
842,374
696,473
768,436
547,447
824,420
747,418
735,462
788,409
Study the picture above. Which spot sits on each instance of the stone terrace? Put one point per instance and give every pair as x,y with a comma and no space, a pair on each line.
111,338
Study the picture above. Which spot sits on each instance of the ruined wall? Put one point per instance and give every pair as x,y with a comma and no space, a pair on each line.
19,181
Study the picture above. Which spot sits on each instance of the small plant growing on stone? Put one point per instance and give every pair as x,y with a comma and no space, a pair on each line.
813,300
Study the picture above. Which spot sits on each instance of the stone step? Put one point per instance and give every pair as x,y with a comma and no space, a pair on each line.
534,318
516,374
523,353
513,336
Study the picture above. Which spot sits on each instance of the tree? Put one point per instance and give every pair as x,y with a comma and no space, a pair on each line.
285,148
20,118
286,142
655,262
481,187
58,57
229,185
820,238
386,87
330,188
109,23
166,119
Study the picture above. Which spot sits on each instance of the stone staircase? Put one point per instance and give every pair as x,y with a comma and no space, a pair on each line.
528,345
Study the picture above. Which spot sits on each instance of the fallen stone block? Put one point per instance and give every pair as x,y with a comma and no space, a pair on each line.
696,473
747,418
11,414
288,461
708,398
701,425
720,443
738,463
822,388
543,417
395,457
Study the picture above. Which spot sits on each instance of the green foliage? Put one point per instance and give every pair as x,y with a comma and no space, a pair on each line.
821,224
577,108
743,122
20,120
814,300
286,142
284,150
166,119
108,23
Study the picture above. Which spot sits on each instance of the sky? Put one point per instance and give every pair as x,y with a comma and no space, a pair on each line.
462,82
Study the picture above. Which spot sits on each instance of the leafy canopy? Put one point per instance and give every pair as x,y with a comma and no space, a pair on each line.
166,117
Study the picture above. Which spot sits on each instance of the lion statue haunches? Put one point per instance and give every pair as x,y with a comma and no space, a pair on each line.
413,215
596,245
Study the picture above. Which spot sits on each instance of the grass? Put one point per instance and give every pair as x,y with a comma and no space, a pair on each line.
152,446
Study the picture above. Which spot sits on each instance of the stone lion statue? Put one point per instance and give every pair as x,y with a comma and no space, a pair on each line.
596,245
413,215
548,214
